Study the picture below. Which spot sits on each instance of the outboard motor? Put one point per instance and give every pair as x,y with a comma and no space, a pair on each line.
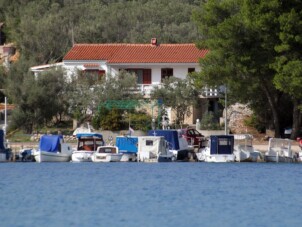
26,155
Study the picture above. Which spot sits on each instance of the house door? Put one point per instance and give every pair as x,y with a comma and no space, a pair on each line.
146,76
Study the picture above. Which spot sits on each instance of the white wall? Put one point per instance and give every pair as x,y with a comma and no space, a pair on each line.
179,70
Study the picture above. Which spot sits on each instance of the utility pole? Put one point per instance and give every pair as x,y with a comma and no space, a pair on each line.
226,112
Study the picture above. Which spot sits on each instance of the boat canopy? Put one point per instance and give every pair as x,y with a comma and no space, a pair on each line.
154,145
222,144
50,143
170,135
127,144
80,135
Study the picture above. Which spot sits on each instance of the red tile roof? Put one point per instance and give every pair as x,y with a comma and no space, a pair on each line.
137,53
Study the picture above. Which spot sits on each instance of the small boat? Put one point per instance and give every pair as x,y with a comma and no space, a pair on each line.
52,149
279,150
127,145
26,155
220,149
5,151
107,153
154,149
87,145
244,150
178,145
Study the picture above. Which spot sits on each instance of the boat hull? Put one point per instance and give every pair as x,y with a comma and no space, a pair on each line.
44,156
220,158
81,156
3,157
282,159
242,156
106,157
128,157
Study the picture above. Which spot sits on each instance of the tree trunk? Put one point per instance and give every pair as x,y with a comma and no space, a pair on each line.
296,120
273,104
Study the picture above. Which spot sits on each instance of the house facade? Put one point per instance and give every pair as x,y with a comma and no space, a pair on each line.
150,62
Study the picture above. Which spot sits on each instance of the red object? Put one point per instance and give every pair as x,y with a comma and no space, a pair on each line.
136,53
192,136
299,140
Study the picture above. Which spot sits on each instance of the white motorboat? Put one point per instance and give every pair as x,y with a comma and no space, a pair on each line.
106,154
52,149
244,150
279,150
219,149
154,149
87,145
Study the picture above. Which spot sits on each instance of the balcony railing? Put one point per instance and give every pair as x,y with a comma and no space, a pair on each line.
206,92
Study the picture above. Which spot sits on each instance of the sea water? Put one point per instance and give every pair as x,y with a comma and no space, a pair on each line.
154,194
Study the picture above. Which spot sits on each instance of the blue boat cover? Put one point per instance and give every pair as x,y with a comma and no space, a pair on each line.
127,144
170,135
2,140
87,134
50,143
222,144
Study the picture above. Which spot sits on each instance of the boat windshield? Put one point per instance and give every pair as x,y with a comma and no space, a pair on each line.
90,144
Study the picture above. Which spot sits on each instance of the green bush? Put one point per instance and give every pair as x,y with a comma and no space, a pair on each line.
209,122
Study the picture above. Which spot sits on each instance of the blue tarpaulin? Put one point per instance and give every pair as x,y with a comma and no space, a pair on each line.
127,144
50,143
222,144
170,135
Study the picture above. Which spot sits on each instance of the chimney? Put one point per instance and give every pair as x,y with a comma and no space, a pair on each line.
154,42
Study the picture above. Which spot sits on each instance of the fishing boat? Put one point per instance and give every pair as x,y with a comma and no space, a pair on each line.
106,153
244,150
153,149
87,145
52,149
279,150
127,145
220,149
178,145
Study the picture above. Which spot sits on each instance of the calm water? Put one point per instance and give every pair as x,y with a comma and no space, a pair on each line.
162,194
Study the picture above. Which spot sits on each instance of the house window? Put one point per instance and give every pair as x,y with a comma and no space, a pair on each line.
166,73
143,75
191,70
94,74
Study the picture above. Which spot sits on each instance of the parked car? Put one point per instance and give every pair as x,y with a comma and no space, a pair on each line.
193,137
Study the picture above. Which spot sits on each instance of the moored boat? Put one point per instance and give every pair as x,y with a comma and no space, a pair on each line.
106,153
279,150
244,150
178,145
87,145
220,149
127,145
52,149
5,152
153,149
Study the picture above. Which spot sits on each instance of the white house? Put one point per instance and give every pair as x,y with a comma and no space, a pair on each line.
150,62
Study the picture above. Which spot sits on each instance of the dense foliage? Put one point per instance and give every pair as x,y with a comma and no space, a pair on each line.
255,51
46,29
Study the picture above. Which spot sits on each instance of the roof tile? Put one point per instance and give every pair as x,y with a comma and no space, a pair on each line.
137,53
